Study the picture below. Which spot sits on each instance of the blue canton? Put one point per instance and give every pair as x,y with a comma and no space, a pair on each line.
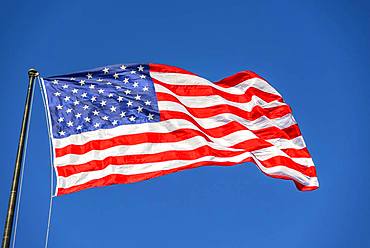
101,98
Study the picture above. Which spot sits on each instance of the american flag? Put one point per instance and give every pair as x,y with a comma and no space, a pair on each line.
127,123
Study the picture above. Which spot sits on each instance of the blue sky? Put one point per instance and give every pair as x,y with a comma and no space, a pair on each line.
315,53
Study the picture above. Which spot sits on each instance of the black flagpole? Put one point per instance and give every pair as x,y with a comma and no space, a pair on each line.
32,74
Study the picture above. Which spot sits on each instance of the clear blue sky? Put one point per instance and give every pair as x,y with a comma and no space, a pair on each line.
316,53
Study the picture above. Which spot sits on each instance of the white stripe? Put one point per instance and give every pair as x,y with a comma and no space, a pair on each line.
84,177
168,126
296,143
288,172
152,148
273,151
213,100
190,144
186,79
101,134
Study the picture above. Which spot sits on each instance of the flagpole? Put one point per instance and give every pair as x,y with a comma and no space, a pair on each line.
32,74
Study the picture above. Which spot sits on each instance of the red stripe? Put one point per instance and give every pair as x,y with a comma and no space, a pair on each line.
289,163
133,139
206,90
297,153
275,132
130,139
255,113
302,187
168,69
264,133
237,79
94,165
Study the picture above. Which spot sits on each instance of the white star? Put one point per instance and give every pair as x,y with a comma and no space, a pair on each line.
99,80
147,102
118,87
139,109
57,94
66,99
55,81
79,127
137,97
96,125
93,99
109,83
92,86
133,72
123,67
136,84
140,68
106,70
72,79
95,112
74,91
125,80
114,122
69,110
84,95
132,118
113,109
78,115
116,76
87,119
82,82
105,117
120,99
110,95
85,107
127,91
100,91
129,103
89,76
103,103
150,116
70,123
142,76
59,107
76,102
145,88
122,114
61,119
62,133
65,86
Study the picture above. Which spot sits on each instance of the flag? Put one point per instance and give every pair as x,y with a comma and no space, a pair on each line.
127,123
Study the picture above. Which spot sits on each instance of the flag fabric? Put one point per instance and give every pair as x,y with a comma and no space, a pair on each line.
127,123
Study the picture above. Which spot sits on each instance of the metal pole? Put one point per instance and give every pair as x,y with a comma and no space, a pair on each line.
32,74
